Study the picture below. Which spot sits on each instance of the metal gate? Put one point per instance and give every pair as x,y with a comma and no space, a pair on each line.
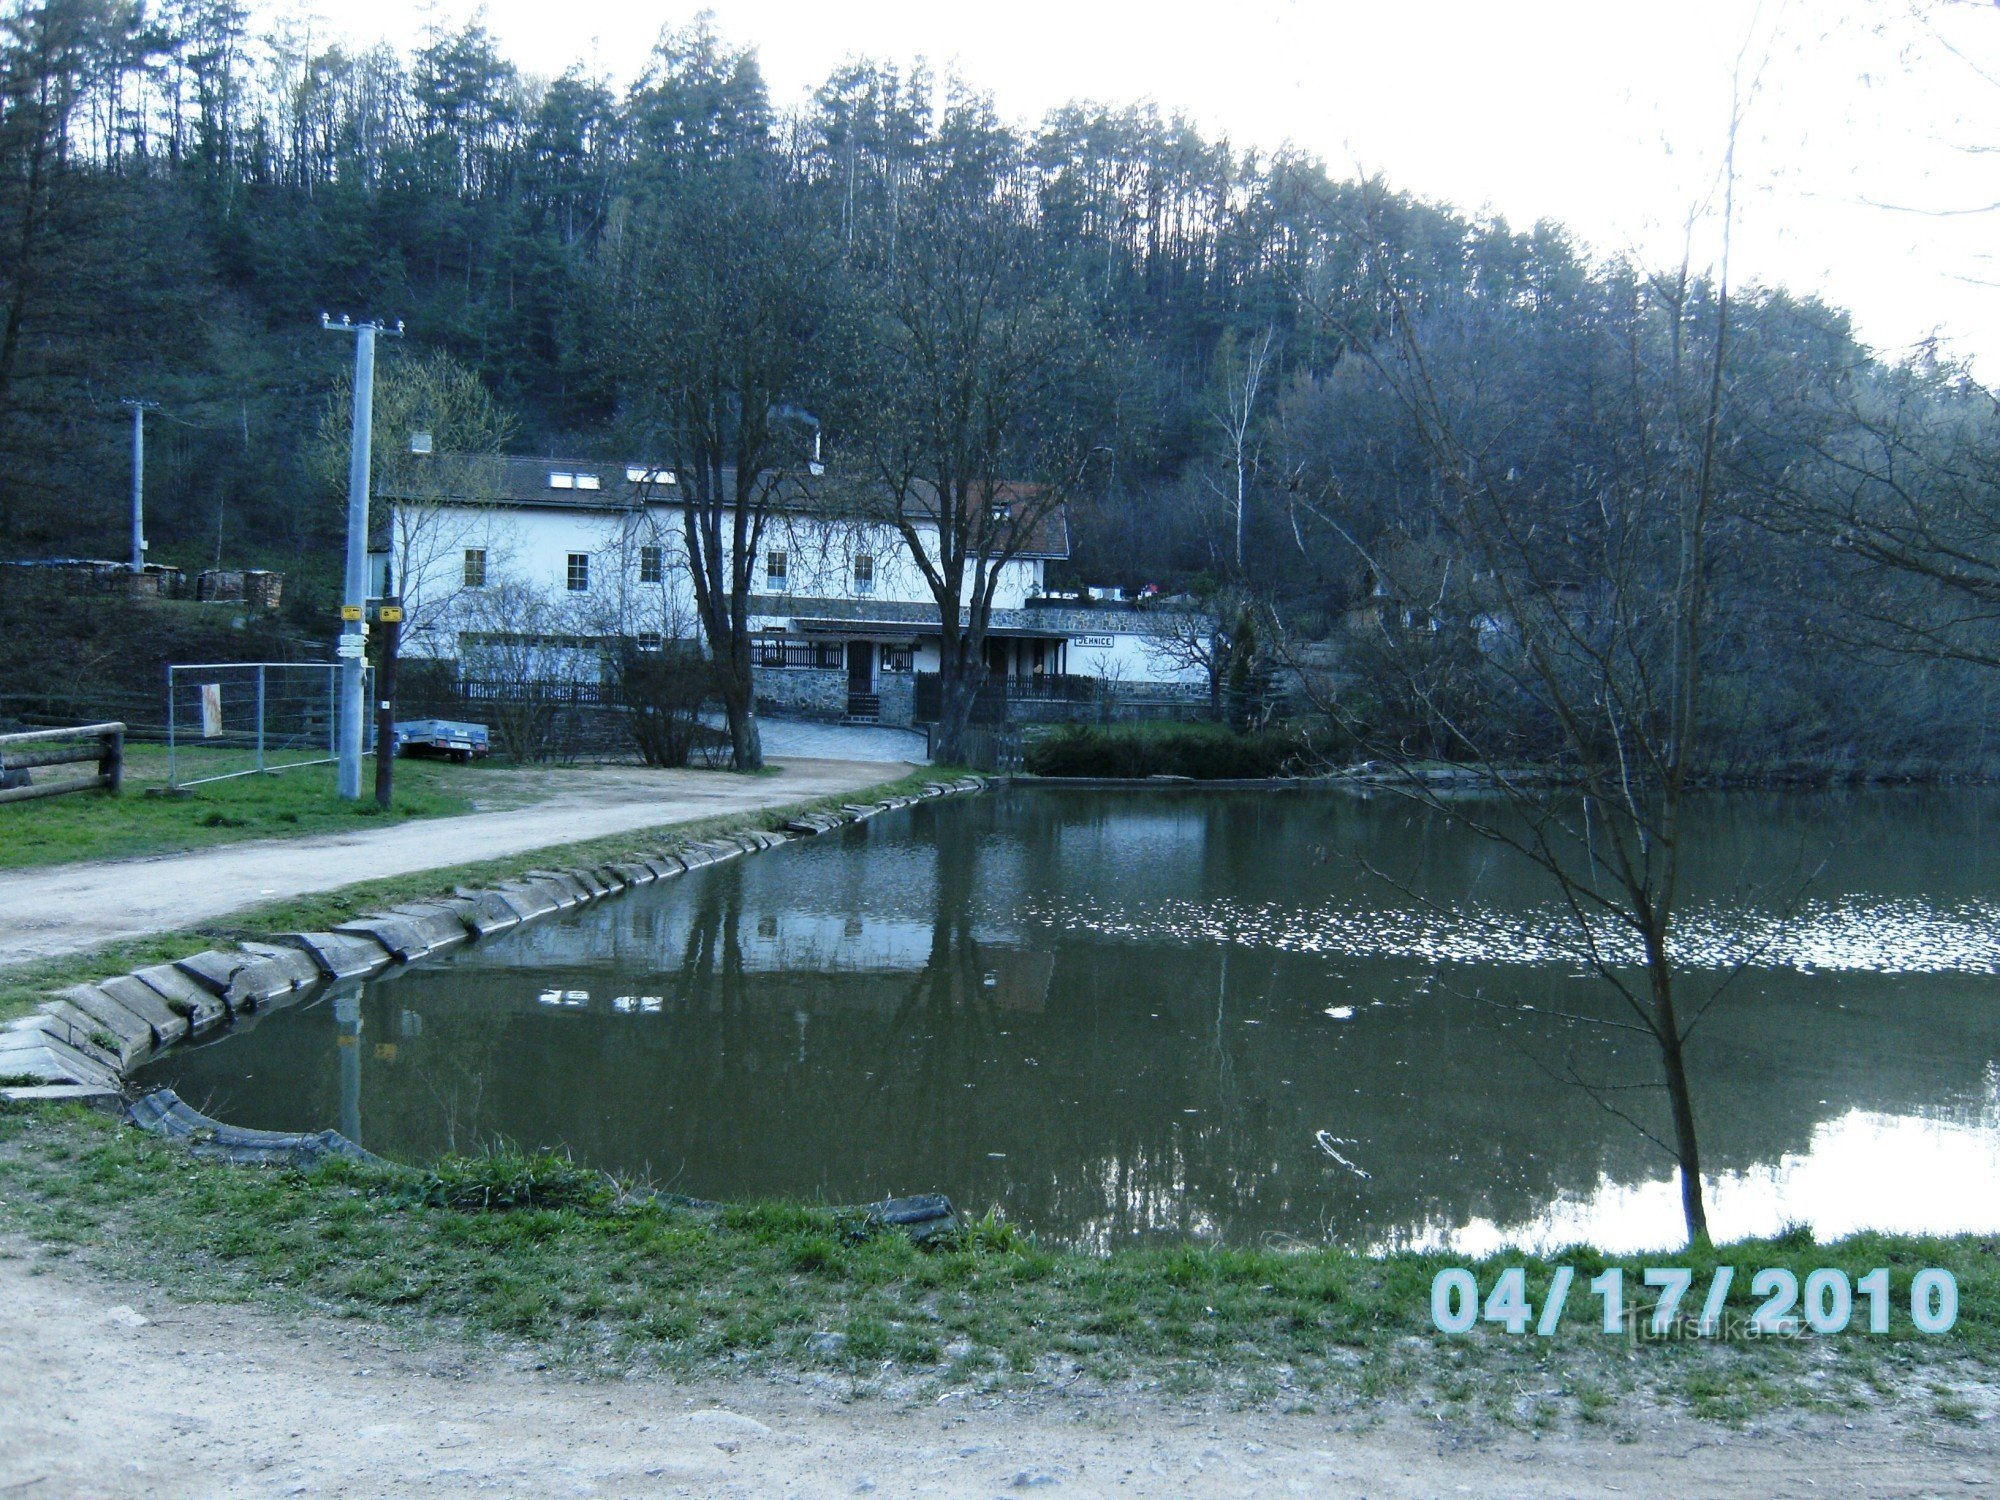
250,718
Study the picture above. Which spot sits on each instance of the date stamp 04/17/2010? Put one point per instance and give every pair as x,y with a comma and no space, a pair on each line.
1825,1303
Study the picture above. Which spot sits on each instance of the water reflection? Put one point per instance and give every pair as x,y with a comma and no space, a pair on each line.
1129,1016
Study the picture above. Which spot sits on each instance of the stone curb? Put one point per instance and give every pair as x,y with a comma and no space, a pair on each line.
94,1034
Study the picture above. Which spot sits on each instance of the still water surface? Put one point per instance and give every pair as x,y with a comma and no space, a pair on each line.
1174,1013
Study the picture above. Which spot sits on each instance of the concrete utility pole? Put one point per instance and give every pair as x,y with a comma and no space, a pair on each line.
139,410
354,597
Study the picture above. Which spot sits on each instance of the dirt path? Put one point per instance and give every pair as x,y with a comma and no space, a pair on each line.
116,1390
73,908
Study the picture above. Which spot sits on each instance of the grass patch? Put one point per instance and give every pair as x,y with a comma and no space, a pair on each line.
536,1249
24,986
92,825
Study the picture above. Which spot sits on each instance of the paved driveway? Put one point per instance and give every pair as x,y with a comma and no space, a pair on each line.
810,741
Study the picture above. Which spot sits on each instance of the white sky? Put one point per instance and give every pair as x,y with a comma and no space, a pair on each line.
1607,115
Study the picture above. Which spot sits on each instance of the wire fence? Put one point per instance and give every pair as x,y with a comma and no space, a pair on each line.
229,719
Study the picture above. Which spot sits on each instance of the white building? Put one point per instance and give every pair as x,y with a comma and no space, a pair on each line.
561,557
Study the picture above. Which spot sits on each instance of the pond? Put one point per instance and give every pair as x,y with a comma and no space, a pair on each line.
1244,1016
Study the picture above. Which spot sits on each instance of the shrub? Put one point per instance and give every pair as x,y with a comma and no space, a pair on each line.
666,692
1204,752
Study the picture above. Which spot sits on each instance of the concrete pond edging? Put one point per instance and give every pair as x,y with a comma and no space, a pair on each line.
83,1044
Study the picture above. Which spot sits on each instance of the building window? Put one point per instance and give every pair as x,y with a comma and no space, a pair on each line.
864,574
775,564
579,572
475,567
652,564
560,479
648,640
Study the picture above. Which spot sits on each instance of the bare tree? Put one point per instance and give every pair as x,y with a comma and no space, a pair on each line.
533,658
968,420
1585,600
439,528
651,638
1902,498
1235,410
710,292
1197,641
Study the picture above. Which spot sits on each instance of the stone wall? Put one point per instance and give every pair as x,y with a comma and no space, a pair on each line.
801,692
898,692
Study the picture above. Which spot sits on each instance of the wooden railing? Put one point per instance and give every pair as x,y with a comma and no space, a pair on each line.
780,651
102,743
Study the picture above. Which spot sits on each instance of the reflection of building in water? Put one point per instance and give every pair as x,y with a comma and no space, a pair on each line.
1012,980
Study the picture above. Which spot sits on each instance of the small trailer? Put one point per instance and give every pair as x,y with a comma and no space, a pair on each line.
446,737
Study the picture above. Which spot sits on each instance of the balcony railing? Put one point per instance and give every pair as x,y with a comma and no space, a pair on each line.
777,651
1048,698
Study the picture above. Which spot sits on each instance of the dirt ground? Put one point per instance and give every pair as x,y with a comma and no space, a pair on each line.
64,909
108,1389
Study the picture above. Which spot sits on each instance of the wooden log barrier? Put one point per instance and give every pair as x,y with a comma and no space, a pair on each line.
103,744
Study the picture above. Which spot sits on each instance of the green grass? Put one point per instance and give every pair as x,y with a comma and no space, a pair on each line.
24,986
97,825
538,1251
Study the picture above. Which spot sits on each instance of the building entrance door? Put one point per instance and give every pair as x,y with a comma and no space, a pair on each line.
862,702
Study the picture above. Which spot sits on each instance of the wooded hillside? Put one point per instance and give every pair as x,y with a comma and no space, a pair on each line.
1222,343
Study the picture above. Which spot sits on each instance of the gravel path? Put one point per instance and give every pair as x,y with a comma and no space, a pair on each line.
117,1390
62,909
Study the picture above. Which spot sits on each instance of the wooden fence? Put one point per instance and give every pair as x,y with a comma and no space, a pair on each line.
101,743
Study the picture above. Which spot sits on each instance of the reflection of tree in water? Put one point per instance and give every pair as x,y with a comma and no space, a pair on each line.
943,1030
451,1071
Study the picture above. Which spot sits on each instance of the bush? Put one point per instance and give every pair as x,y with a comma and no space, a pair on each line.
667,690
1204,752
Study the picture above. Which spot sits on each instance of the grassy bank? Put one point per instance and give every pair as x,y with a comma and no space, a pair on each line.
579,1269
25,986
94,825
